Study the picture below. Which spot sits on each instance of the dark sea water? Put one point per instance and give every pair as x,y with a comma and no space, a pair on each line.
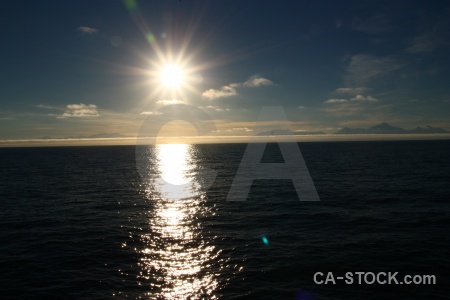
83,223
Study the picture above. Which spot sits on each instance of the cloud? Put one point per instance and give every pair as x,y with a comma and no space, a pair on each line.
431,37
359,107
246,129
336,101
357,98
6,116
345,109
224,91
352,91
84,30
151,113
422,44
301,107
363,67
230,89
364,98
375,24
216,108
257,81
45,106
170,102
80,111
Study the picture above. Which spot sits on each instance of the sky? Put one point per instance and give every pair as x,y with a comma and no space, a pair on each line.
79,68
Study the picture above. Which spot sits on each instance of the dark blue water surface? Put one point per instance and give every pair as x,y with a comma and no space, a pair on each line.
83,223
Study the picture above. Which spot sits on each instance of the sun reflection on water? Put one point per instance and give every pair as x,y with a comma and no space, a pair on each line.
174,163
175,261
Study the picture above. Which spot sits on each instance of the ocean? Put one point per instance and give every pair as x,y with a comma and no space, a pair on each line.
96,223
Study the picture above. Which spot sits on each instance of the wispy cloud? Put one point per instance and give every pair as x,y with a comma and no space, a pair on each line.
336,101
230,89
80,111
234,129
362,68
257,81
170,102
346,109
357,98
84,30
246,129
364,98
224,91
375,24
352,91
422,44
216,108
431,37
151,113
6,116
45,106
357,108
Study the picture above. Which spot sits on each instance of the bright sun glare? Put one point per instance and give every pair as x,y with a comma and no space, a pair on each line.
172,76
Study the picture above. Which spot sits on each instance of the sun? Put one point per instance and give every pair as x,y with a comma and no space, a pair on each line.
172,76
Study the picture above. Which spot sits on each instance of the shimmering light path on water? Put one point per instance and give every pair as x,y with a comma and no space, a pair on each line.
175,261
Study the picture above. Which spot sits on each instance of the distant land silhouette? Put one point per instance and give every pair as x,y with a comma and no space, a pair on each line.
385,128
382,128
94,136
289,132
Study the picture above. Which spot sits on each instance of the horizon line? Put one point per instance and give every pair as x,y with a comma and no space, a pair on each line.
6,143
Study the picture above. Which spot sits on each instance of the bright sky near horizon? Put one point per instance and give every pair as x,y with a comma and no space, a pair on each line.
71,68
